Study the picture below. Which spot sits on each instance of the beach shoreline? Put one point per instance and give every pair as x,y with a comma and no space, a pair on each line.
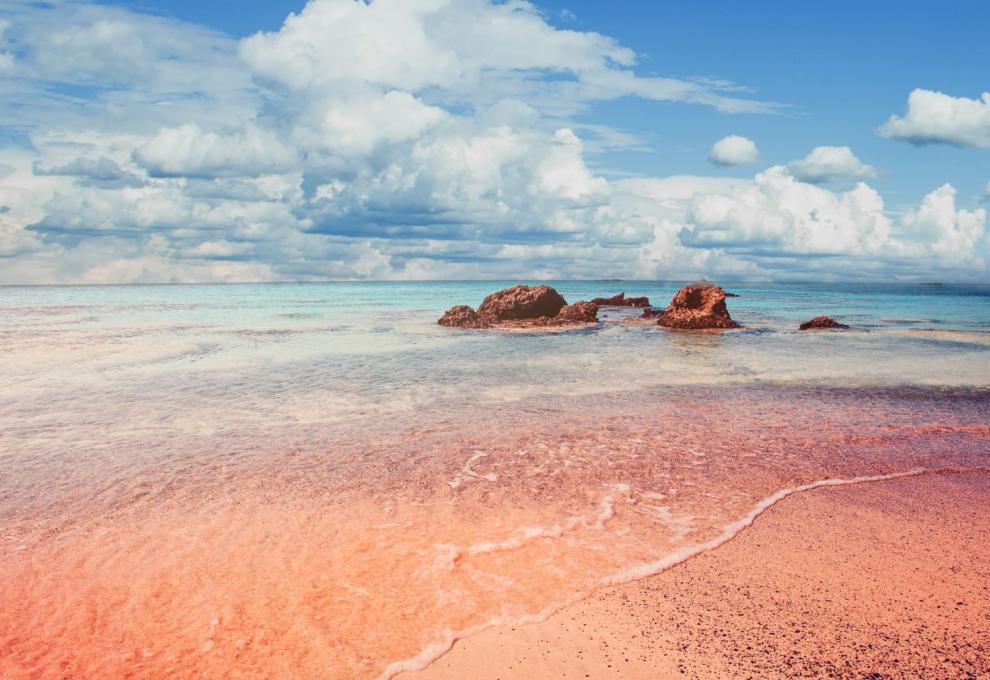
884,576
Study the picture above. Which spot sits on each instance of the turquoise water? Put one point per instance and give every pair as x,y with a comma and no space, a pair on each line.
903,334
869,305
340,350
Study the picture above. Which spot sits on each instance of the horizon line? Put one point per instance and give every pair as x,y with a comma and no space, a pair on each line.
290,282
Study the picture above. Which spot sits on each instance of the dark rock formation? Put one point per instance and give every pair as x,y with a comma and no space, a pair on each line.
582,311
522,307
822,322
697,306
651,313
621,300
462,316
521,302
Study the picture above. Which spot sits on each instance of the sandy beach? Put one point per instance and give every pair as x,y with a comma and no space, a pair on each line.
880,579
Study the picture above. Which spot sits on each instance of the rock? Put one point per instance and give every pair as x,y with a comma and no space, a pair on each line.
621,300
522,307
582,311
697,306
462,316
822,322
648,316
521,302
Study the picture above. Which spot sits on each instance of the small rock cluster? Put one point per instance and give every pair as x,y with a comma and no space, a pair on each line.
621,300
696,306
522,306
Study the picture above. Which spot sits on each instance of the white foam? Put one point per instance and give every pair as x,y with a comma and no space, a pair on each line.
437,649
731,530
606,511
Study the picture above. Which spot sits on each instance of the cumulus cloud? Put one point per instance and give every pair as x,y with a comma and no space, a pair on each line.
937,118
780,213
776,221
830,164
358,123
188,151
955,235
733,150
471,50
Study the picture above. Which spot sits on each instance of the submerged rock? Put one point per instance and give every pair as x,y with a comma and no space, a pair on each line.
462,316
586,312
821,322
521,307
697,306
521,302
621,300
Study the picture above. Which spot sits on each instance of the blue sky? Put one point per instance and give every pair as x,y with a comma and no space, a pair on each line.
166,141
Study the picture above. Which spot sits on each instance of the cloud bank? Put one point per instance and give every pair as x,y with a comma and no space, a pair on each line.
400,139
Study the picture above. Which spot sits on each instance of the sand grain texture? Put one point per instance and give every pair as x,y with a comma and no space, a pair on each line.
885,579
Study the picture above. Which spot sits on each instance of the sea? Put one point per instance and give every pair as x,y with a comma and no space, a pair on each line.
318,481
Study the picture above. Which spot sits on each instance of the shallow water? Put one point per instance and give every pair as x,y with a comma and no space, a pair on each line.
318,481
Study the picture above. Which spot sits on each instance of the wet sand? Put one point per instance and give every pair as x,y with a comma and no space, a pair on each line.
881,579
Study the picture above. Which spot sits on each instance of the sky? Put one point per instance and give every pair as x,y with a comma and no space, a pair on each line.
183,141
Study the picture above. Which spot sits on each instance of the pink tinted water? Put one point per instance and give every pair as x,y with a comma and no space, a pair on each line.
369,555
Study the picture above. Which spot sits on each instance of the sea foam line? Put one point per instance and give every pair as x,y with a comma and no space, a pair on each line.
437,649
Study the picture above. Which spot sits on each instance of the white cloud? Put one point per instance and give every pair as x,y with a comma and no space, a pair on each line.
114,49
102,172
779,213
80,62
218,249
483,185
156,261
733,150
954,235
188,151
829,164
361,139
355,124
776,223
387,139
934,117
469,49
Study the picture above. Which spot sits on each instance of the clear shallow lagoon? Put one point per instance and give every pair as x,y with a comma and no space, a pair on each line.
317,479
